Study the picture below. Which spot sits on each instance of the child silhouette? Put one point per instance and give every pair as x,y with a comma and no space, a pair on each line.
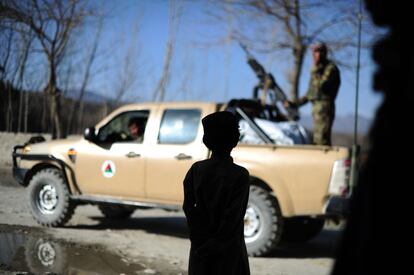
216,193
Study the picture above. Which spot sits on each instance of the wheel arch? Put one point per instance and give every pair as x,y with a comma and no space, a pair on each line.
36,168
48,161
281,196
41,166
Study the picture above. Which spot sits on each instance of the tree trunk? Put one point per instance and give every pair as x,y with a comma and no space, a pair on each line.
26,111
159,93
80,116
9,112
21,79
54,98
299,54
45,125
19,116
54,115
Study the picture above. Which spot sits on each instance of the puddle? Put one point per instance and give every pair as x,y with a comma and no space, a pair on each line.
21,253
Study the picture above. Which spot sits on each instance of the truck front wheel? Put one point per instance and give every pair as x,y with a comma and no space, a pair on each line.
262,222
49,198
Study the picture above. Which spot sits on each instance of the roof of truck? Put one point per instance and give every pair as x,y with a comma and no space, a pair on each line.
169,104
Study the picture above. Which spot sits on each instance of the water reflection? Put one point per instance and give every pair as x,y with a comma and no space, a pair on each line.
23,253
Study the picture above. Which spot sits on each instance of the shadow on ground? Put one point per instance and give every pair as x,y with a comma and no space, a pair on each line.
169,226
322,246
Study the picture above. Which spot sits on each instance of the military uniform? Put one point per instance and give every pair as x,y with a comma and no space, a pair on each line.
323,88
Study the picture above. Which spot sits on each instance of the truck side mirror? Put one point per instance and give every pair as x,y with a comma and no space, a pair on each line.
89,134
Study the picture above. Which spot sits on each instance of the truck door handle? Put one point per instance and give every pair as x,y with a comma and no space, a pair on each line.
182,156
133,155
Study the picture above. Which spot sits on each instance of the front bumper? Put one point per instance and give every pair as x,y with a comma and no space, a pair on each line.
19,174
337,206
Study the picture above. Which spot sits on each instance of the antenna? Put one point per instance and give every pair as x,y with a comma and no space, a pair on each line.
355,146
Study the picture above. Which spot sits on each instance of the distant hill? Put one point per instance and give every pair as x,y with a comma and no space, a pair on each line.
89,96
343,124
343,130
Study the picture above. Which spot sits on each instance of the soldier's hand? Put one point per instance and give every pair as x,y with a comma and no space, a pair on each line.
286,103
289,104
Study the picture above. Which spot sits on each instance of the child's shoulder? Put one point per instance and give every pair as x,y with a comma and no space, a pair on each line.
240,169
199,164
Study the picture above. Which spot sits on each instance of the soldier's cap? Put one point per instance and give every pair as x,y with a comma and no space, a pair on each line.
319,46
221,130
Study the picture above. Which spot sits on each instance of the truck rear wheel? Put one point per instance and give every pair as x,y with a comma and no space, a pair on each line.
262,222
115,211
301,229
49,198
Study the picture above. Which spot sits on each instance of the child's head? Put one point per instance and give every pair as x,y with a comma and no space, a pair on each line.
221,131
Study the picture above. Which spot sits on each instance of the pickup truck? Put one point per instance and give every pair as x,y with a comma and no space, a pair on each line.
294,189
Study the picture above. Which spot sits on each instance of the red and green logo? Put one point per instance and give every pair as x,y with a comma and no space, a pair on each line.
108,169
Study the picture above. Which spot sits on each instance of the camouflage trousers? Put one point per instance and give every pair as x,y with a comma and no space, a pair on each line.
323,113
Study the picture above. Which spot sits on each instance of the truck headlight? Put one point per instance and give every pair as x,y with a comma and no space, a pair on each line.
27,149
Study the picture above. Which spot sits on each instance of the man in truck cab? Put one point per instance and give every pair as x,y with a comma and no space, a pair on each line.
136,127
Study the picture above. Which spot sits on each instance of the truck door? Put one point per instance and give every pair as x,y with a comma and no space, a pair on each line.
114,164
179,145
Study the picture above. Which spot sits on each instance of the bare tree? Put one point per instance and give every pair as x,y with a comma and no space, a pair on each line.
6,53
174,17
33,81
127,68
27,40
127,75
78,107
297,24
184,88
52,22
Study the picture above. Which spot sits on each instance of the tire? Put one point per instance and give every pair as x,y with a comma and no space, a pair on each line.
45,257
49,198
302,229
117,212
263,222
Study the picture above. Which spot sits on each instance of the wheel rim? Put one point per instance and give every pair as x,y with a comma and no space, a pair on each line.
46,254
47,199
252,223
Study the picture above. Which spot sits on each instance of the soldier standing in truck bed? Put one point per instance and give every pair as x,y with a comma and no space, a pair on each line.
323,88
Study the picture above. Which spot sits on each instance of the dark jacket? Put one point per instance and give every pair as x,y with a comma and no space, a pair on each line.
216,193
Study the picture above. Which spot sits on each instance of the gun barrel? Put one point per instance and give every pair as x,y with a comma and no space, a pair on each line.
256,67
244,48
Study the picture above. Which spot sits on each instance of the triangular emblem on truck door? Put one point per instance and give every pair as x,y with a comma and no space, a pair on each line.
108,169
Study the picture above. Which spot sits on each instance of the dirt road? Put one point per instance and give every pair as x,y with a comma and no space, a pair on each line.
150,242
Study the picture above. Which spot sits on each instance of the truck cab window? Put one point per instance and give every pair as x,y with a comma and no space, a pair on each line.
125,127
179,126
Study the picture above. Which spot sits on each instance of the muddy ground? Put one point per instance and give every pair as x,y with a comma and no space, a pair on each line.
150,242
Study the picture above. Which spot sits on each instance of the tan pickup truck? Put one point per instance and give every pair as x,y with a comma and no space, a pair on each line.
294,189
